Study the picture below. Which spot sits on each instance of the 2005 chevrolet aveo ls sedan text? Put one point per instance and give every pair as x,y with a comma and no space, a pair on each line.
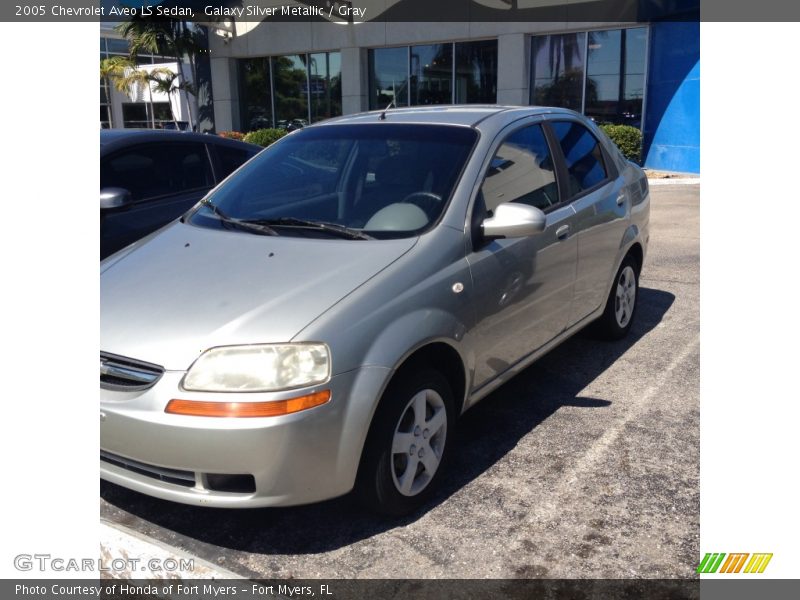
318,322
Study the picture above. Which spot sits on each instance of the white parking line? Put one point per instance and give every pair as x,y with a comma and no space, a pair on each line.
599,447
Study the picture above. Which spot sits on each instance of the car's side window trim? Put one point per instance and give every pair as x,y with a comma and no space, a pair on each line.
608,165
161,196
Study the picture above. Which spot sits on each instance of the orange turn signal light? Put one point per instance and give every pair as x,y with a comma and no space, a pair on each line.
273,408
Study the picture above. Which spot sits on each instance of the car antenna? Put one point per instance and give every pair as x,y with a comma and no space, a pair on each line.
382,117
391,104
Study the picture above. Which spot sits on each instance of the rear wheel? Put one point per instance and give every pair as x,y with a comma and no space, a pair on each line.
617,318
408,443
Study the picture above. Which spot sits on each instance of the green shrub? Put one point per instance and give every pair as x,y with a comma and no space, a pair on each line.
231,135
264,137
628,139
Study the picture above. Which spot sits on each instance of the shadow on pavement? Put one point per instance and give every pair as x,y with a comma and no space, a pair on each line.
486,433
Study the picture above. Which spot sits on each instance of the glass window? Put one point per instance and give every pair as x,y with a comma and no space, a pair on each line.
230,159
254,94
557,70
104,122
615,75
325,80
162,112
432,74
476,72
117,46
388,68
134,115
150,171
391,180
521,171
290,84
582,154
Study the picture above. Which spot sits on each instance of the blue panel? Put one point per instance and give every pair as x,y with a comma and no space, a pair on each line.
672,115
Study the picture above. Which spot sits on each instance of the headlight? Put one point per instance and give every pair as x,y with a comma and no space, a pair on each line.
258,368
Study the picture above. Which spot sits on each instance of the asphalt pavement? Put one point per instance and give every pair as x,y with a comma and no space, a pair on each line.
585,465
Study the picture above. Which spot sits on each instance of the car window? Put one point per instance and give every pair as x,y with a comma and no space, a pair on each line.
153,170
230,159
583,156
390,180
521,171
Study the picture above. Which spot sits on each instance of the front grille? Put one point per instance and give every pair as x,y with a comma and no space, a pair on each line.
127,374
176,476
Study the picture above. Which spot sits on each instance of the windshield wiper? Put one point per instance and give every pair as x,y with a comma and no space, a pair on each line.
335,228
261,228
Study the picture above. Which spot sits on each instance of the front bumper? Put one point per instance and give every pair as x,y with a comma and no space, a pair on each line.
299,458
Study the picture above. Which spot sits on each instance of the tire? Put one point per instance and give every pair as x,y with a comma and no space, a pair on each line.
617,318
408,443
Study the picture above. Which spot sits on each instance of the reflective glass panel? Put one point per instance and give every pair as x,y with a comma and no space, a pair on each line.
388,69
615,75
476,72
432,74
557,70
325,80
255,101
290,86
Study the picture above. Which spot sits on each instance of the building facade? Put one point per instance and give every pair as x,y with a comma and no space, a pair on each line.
278,74
137,107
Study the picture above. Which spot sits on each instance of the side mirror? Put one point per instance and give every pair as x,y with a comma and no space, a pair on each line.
514,221
113,197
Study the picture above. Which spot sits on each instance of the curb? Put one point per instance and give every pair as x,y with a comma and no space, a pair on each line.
673,181
143,558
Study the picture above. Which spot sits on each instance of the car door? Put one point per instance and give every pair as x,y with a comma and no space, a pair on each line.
600,207
523,286
164,179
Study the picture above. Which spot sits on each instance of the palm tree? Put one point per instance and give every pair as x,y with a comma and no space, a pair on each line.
169,83
173,37
125,76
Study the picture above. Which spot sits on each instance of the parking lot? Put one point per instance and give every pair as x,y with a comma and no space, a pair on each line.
586,465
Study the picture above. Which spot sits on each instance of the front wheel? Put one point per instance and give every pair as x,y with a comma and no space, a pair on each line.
408,443
617,318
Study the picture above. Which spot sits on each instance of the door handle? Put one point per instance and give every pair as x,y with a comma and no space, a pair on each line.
562,232
621,199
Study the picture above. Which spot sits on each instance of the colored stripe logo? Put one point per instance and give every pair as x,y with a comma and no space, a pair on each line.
733,563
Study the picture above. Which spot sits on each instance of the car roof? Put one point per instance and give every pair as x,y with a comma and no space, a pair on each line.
119,138
469,115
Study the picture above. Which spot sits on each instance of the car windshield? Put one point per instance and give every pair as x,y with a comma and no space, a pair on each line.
361,181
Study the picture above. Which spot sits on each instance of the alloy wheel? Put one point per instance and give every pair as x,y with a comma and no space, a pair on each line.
418,442
625,297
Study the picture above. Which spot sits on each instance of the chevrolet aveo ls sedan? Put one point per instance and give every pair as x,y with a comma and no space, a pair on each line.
320,319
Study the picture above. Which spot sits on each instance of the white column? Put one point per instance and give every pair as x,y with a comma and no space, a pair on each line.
354,80
224,82
512,69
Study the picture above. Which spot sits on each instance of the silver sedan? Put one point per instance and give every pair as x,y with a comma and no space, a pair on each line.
321,318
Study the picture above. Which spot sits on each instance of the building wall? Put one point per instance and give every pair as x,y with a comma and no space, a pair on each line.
672,113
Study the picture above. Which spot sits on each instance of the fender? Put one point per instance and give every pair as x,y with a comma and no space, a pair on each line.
630,237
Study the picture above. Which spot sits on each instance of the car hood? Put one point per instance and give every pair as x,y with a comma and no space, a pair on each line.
188,288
